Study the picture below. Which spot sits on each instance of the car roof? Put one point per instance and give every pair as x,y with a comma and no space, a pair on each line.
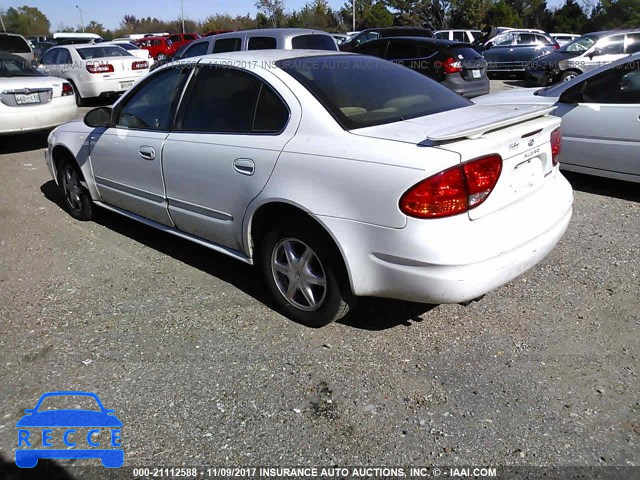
274,32
274,55
434,41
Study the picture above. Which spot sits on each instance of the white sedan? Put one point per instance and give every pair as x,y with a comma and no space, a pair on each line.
134,50
30,101
94,70
600,113
339,175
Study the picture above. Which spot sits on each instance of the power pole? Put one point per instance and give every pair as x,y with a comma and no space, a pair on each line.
81,21
353,3
182,13
2,22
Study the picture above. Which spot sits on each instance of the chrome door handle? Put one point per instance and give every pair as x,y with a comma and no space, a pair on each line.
148,153
245,166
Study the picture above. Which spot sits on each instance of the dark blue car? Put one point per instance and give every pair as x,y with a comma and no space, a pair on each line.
70,419
513,50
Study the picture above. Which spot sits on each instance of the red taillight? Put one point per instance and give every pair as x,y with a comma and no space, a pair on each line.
453,191
140,65
99,68
556,46
556,143
67,89
451,65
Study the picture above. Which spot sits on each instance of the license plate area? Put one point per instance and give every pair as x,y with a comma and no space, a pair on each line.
127,85
476,73
27,98
527,174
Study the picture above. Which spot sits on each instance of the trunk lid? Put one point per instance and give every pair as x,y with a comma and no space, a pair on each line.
18,91
520,134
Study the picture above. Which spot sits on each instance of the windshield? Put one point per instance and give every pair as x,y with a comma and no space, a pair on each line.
362,91
102,52
579,45
16,67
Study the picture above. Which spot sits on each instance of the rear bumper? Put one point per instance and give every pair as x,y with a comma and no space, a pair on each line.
38,117
106,86
467,88
455,259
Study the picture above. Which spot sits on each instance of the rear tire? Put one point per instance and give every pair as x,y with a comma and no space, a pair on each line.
79,100
304,275
77,199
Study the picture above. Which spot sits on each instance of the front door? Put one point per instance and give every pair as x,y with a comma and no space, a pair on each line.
127,157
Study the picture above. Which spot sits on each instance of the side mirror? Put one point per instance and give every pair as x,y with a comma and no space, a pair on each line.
488,45
596,52
573,94
98,117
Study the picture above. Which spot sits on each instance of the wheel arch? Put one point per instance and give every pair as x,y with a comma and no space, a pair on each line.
61,152
268,213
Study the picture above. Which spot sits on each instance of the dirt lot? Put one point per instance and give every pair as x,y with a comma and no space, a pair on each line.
182,343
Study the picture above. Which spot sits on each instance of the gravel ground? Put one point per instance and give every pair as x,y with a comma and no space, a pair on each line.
182,343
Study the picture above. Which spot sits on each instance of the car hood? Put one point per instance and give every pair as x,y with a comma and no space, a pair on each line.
517,96
445,126
69,418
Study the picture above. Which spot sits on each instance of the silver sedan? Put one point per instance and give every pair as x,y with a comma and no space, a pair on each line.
600,113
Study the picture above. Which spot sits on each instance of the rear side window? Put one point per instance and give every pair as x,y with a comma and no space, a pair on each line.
543,40
174,38
227,45
14,44
314,42
442,35
616,85
196,50
271,112
460,36
262,43
190,37
402,50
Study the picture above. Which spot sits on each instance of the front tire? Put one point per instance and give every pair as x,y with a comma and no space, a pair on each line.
305,276
568,75
77,199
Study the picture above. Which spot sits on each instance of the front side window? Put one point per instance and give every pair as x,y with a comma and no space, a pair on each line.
367,37
49,58
502,40
349,89
619,85
151,105
196,50
611,46
579,45
227,100
377,49
227,45
262,43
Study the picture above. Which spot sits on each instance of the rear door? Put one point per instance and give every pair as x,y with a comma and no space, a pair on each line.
230,130
602,131
500,51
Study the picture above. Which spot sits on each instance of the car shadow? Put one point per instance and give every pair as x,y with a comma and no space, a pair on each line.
607,187
370,314
23,142
45,469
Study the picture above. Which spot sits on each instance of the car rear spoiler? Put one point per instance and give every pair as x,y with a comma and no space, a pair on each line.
496,117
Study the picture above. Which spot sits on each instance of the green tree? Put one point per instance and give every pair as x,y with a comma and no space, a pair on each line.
469,13
273,10
569,18
368,14
503,14
28,21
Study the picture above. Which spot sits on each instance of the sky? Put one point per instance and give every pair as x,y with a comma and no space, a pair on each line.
110,12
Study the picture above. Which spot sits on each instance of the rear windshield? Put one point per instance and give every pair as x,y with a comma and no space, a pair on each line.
102,52
314,42
462,52
16,67
14,44
362,91
128,46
